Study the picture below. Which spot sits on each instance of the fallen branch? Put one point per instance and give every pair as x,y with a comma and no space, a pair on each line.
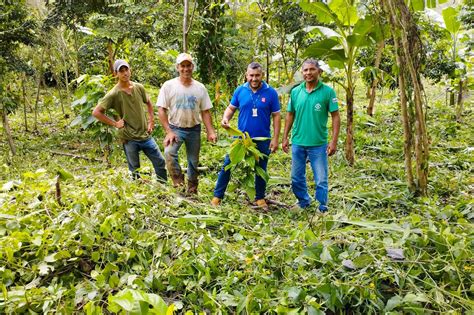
277,203
75,156
200,168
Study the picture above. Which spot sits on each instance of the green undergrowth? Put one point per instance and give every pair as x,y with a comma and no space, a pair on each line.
107,244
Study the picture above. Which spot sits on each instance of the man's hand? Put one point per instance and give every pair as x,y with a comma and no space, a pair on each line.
151,126
274,145
225,123
120,124
332,148
170,138
211,136
285,145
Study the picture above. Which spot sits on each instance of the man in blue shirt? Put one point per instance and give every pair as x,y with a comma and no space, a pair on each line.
257,103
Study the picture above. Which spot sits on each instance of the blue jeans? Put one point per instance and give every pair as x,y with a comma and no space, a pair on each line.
191,137
260,184
132,149
318,159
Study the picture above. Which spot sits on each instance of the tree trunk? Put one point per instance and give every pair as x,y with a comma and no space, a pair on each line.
452,97
459,107
373,88
40,77
349,145
405,31
268,65
8,132
61,99
111,57
185,25
406,122
76,48
66,78
25,100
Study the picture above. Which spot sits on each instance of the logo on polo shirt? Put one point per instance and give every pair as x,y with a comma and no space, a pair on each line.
317,107
263,99
334,100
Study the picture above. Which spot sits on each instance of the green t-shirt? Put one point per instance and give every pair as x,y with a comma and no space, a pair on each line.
311,113
130,108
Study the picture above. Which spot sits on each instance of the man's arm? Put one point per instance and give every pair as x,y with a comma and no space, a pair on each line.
99,113
228,114
336,125
276,131
207,120
170,135
290,117
151,118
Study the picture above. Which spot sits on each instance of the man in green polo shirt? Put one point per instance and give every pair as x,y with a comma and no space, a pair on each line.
127,99
308,108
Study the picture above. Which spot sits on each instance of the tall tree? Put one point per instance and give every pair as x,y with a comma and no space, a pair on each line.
185,25
409,53
340,46
16,29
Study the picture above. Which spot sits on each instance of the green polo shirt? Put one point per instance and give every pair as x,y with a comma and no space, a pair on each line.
311,113
131,108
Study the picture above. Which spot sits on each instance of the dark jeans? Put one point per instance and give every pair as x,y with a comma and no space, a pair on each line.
191,137
132,149
318,160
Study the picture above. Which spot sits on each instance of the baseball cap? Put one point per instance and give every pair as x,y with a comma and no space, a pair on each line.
119,63
184,57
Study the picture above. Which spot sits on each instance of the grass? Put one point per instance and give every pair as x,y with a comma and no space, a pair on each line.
112,242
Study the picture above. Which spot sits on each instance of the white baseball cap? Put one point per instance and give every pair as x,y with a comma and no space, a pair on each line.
184,57
120,63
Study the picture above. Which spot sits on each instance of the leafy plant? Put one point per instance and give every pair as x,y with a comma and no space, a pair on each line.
90,90
340,46
244,157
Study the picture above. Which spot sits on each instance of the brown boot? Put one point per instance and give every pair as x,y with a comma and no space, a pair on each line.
192,187
215,201
262,205
178,180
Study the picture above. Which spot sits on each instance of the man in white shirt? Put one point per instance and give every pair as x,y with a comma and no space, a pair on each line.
182,104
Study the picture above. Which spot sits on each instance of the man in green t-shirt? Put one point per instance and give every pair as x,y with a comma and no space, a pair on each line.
308,108
127,99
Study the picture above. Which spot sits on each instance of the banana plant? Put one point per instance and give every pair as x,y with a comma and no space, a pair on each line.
461,80
244,157
339,47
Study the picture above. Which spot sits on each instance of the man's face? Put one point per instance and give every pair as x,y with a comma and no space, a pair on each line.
185,69
123,74
254,77
311,73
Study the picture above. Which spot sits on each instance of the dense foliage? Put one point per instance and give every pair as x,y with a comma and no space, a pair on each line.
110,243
78,235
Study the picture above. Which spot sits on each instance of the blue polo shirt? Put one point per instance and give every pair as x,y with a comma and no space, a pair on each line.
265,100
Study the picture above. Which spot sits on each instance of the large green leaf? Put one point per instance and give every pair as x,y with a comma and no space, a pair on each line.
64,175
356,40
262,173
137,302
431,3
320,50
364,26
450,17
417,5
345,11
234,132
250,159
322,11
237,153
336,64
326,31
